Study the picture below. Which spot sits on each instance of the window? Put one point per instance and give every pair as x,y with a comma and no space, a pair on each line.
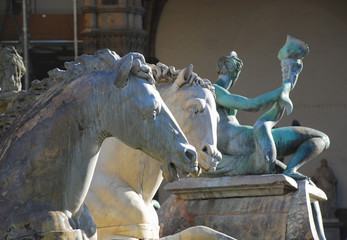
109,2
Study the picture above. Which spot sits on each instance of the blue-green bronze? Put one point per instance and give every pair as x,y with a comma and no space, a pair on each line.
293,49
255,149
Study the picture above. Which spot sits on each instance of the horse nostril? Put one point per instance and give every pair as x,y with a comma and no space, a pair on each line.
190,154
205,149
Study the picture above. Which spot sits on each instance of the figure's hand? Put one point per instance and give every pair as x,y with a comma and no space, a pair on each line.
291,69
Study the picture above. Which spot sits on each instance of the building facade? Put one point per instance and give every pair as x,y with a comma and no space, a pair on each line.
180,32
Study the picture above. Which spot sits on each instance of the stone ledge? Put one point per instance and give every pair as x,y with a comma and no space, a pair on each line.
316,194
236,186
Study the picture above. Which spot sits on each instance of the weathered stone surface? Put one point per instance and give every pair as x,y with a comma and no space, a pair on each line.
49,152
11,71
261,214
237,186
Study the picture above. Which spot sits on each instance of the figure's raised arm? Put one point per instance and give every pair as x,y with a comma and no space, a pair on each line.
233,101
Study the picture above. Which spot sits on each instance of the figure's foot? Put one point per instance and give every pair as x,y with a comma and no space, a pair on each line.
296,175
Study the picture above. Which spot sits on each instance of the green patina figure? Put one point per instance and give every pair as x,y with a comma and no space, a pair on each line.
254,149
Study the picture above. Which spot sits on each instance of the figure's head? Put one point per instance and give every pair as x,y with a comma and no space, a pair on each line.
324,162
228,69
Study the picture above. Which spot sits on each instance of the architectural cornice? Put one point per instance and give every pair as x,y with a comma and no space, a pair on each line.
113,9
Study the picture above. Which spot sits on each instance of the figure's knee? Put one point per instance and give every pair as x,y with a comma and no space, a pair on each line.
326,140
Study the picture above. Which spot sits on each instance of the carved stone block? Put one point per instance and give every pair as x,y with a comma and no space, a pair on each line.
245,207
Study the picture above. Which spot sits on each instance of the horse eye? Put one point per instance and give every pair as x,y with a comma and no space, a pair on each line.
194,109
197,109
152,116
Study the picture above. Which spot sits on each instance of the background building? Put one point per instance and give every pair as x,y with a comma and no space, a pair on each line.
180,32
200,31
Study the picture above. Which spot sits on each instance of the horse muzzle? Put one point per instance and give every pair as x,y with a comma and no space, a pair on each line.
186,161
209,158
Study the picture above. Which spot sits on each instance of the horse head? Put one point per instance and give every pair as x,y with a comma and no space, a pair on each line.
147,124
191,100
67,124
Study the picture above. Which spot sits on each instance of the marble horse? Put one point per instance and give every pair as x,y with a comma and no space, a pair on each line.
51,135
120,197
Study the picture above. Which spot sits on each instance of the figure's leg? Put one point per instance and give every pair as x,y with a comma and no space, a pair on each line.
264,140
305,152
236,143
235,139
304,143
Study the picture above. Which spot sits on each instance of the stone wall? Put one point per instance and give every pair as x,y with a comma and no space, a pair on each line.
116,25
200,31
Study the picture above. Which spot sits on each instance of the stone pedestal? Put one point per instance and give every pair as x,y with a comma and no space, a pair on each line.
244,207
332,228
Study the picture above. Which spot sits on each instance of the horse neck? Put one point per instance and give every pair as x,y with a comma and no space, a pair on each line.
90,100
62,129
120,165
83,117
58,112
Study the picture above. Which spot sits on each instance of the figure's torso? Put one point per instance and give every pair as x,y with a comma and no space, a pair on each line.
233,139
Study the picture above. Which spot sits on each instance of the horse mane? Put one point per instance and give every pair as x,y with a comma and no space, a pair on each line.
165,74
84,64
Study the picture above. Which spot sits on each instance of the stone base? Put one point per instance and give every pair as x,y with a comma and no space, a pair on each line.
332,228
244,207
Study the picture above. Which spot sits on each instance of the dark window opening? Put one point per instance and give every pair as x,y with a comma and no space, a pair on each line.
109,2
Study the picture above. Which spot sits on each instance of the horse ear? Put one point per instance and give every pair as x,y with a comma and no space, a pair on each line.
124,67
183,76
